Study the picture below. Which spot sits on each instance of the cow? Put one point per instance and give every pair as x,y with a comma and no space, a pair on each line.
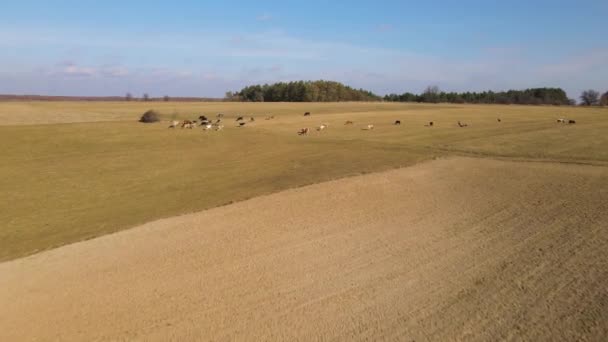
242,124
207,127
430,124
188,124
369,127
307,114
219,127
398,122
203,118
303,131
562,120
220,115
322,127
270,117
174,124
498,119
239,118
462,124
349,122
252,119
571,121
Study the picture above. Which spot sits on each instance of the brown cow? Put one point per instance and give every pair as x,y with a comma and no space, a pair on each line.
188,124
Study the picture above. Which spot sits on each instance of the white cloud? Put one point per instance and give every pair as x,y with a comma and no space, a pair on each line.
220,61
70,69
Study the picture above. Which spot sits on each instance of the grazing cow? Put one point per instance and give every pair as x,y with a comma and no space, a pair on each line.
307,114
369,127
188,124
218,121
322,127
203,118
349,122
462,124
270,117
571,121
498,119
174,124
239,118
219,127
220,115
207,127
242,124
252,119
430,124
397,122
303,131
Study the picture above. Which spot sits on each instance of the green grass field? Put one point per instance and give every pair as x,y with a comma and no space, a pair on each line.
75,170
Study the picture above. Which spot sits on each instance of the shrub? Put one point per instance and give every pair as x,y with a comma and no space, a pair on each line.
149,117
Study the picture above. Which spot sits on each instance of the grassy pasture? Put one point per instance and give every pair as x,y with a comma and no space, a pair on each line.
75,170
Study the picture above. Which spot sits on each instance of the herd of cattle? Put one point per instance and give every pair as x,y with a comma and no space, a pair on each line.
241,121
209,124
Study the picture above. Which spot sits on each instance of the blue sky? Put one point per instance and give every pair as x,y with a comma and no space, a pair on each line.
204,48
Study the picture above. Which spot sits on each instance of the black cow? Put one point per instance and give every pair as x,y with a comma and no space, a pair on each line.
398,122
239,118
307,114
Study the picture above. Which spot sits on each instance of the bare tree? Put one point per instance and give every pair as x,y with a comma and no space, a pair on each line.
590,97
146,97
431,94
604,99
128,97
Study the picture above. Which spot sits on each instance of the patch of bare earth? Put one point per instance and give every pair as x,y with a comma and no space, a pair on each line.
454,249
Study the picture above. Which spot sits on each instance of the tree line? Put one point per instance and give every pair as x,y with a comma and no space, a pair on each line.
145,97
302,91
533,96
